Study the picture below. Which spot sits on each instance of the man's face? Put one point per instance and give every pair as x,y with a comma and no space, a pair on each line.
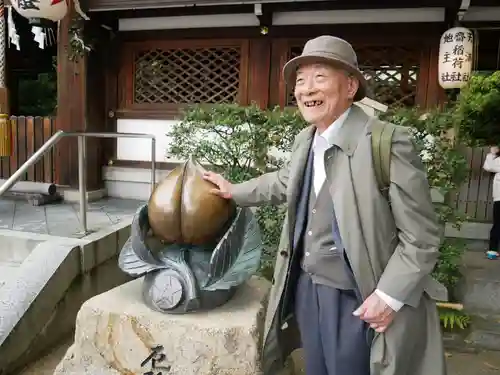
323,93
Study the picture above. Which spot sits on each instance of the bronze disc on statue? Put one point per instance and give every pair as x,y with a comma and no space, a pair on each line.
182,209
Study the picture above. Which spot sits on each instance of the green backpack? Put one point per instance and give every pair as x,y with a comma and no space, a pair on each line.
382,133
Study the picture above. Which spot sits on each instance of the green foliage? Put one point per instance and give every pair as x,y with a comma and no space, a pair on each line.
239,142
453,319
447,270
38,97
270,219
477,114
79,43
236,140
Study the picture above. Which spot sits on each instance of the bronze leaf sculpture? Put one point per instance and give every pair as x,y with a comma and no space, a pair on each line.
193,247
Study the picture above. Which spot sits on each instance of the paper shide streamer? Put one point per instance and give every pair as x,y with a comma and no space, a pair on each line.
43,36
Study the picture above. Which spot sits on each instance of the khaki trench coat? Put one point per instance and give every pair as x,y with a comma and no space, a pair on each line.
390,246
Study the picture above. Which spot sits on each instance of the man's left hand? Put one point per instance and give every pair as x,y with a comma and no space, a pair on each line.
376,312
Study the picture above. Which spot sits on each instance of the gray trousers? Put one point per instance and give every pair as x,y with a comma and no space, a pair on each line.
334,341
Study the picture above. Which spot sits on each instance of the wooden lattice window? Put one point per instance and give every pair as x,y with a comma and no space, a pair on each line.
166,75
392,73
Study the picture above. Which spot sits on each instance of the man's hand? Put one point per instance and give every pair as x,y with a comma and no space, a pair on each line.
224,186
376,312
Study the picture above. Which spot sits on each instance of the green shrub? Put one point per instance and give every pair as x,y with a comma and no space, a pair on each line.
477,112
241,143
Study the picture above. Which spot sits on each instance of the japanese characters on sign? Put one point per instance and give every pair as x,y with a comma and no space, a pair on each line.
53,10
29,4
455,57
156,362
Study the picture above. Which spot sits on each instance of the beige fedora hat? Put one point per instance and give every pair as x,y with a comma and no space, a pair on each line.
328,50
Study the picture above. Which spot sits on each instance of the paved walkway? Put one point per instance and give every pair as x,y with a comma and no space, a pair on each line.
13,252
481,363
62,219
484,363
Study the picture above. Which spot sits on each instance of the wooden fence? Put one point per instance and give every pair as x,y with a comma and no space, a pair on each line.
474,198
28,135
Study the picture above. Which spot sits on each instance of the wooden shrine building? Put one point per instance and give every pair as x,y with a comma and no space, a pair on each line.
152,57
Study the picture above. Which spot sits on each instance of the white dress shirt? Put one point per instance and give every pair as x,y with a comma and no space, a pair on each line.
321,143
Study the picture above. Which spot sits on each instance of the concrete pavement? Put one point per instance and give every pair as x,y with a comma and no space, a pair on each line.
62,219
459,363
483,363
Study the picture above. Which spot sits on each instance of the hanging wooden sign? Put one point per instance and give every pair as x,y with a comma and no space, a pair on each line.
456,50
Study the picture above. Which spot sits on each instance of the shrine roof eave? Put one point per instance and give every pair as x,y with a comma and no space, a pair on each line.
480,11
117,5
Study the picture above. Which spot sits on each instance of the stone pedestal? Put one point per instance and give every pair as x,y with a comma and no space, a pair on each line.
116,332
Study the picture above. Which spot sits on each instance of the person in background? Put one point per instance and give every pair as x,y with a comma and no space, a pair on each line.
492,164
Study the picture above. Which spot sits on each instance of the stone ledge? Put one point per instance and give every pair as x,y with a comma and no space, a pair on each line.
131,174
73,195
469,230
104,244
116,331
27,301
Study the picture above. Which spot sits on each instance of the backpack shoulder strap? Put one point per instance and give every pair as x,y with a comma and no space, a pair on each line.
382,133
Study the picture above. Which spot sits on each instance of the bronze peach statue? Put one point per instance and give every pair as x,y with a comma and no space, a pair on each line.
193,247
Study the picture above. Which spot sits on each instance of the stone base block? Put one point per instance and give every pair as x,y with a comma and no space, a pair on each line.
116,332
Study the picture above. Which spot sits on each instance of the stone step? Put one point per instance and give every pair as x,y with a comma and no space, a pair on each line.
484,332
48,363
480,293
457,341
480,288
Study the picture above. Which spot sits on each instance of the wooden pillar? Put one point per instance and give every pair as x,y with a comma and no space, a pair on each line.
80,107
259,71
278,59
429,93
111,72
95,106
435,93
423,78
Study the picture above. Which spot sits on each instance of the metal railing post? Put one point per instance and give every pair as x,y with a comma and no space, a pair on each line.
82,181
153,164
82,163
16,176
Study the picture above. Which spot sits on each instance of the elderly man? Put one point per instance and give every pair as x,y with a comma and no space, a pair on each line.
353,270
